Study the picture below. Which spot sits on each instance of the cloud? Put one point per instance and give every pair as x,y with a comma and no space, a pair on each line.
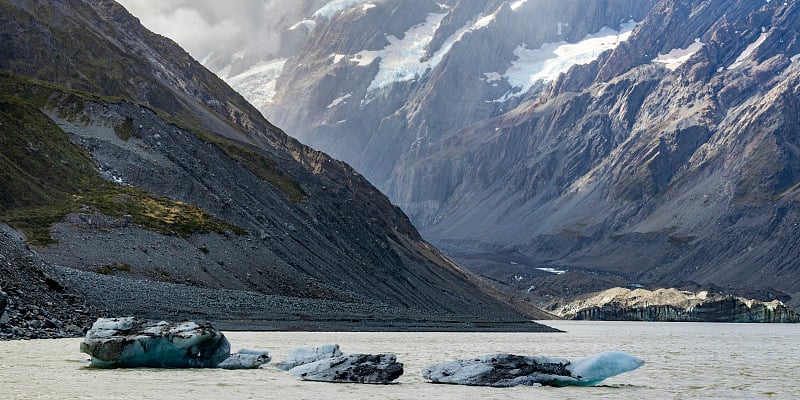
204,26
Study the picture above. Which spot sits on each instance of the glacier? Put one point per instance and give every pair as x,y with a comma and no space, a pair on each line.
551,59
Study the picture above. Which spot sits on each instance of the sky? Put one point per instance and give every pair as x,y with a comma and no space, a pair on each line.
201,26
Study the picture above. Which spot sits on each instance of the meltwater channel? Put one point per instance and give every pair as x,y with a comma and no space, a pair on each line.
682,361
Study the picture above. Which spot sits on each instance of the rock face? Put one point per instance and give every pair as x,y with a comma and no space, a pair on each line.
131,343
308,355
3,303
671,305
504,370
179,157
352,368
37,304
668,158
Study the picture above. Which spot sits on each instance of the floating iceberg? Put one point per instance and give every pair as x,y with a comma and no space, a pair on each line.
328,364
308,355
504,370
130,343
352,368
246,359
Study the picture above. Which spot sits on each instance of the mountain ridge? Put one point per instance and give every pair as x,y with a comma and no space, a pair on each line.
667,156
146,116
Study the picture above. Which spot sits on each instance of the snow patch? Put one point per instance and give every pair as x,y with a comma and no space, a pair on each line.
338,100
484,22
368,6
517,4
550,60
492,76
307,23
337,57
365,57
676,57
795,58
553,271
749,51
334,7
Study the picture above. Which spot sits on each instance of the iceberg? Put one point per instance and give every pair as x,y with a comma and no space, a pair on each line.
327,363
505,370
306,355
352,368
130,343
246,359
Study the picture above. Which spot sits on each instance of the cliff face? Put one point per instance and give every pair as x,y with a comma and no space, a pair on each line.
671,305
668,156
146,165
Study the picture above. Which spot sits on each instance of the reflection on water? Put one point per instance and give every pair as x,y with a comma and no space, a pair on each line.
683,360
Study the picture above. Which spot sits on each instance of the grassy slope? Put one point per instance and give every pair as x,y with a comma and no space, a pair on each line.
45,177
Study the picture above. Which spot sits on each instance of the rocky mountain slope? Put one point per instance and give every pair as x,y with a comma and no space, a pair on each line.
123,157
624,142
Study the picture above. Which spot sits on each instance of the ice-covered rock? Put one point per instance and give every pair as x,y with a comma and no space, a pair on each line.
503,370
246,359
307,355
352,368
131,342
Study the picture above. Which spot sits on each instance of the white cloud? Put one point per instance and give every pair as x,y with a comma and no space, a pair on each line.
202,26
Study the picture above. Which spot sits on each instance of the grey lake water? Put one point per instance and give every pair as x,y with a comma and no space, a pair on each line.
682,361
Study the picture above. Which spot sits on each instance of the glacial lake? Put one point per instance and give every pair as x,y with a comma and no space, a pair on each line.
682,361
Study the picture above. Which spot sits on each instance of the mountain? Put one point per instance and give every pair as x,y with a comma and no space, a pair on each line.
566,147
149,187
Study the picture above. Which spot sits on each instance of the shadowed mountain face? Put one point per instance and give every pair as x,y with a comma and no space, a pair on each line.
626,142
123,156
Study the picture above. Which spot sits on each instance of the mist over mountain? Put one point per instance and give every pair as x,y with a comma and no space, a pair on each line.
564,146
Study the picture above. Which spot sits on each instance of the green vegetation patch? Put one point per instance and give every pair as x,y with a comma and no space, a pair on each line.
125,130
44,177
112,269
261,166
256,162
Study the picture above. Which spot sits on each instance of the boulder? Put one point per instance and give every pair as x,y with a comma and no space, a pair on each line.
246,359
130,342
307,355
352,368
3,304
504,370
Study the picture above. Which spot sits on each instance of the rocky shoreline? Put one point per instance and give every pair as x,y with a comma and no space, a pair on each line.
48,301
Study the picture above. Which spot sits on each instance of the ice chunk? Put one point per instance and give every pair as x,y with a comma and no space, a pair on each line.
597,368
130,342
503,370
246,359
308,355
352,368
